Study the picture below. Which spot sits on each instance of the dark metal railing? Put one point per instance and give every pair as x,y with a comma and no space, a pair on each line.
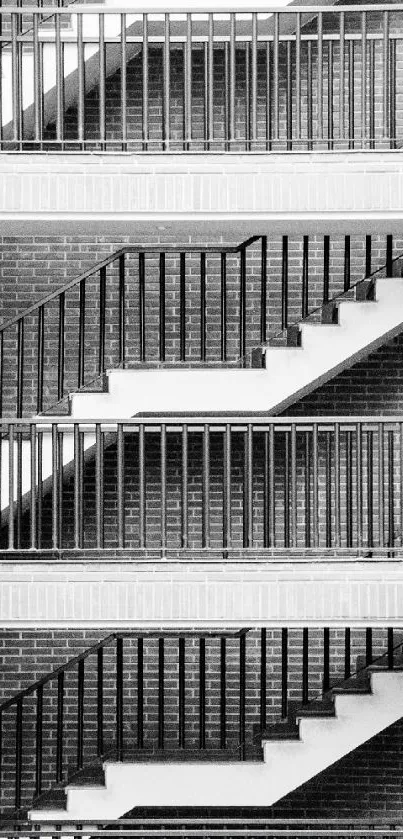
157,306
143,696
222,486
263,79
247,826
131,308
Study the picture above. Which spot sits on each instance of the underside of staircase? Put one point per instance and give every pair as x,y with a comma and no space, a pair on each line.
312,739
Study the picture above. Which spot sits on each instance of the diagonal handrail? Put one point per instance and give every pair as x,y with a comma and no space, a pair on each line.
113,257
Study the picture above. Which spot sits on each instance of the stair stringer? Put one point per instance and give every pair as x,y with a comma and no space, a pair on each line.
286,765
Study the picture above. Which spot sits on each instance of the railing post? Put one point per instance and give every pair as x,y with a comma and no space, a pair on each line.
181,704
202,693
161,693
80,714
223,692
38,740
18,754
140,693
119,697
100,702
242,696
59,727
263,677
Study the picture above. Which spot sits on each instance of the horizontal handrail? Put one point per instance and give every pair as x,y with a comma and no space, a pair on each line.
152,420
93,9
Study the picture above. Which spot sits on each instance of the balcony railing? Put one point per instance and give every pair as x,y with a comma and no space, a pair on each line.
201,487
312,78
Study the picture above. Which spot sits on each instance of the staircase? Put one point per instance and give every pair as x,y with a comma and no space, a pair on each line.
324,732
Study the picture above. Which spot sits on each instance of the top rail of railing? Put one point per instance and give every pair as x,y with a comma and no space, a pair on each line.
203,10
211,827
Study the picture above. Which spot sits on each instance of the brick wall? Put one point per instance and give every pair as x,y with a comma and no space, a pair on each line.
28,655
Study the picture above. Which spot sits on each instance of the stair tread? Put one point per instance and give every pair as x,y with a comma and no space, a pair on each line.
50,800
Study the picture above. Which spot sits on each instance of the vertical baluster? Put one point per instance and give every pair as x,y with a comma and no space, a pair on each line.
242,304
18,753
232,79
80,715
247,97
39,505
78,477
120,453
347,653
80,82
284,673
202,693
184,488
272,495
370,487
342,122
60,354
163,451
400,481
371,93
40,351
11,447
223,693
368,255
320,74
307,476
99,485
145,99
254,77
385,74
202,306
227,488
142,487
328,490
381,486
182,307
162,307
266,491
351,92
55,487
263,291
330,98
305,666
286,503
140,693
16,81
276,47
242,696
309,94
359,492
392,94
294,511
59,727
337,522
206,488
102,313
38,740
119,697
248,488
223,308
305,276
289,95
284,284
102,80
368,647
59,82
363,79
389,255
37,83
81,335
390,649
33,475
298,77
210,84
122,311
20,366
188,84
166,84
161,693
326,263
181,686
391,493
142,307
227,145
263,678
100,702
349,490
19,488
326,659
315,486
347,263
60,438
1,369
268,96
